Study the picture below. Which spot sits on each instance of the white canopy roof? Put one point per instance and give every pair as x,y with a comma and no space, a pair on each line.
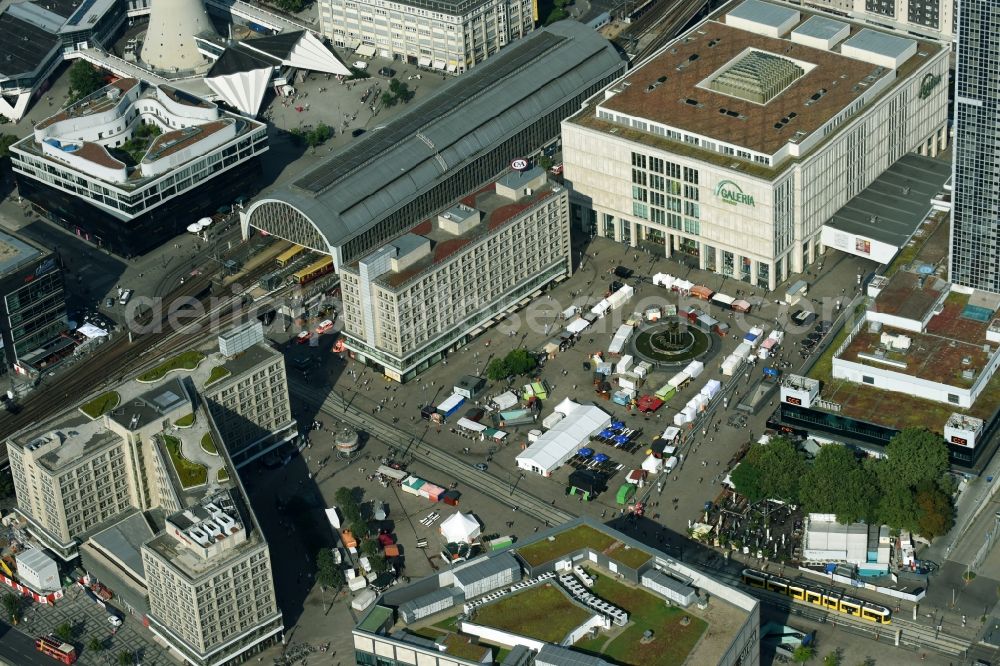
578,325
556,446
92,331
460,527
469,424
505,400
243,90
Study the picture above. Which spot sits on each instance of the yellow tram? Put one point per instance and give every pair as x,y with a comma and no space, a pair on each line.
818,596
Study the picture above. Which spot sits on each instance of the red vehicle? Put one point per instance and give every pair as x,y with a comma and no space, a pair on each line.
303,337
55,648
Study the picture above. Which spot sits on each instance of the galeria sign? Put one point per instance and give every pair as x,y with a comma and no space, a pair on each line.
733,194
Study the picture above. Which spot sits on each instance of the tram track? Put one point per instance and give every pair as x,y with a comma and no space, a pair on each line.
505,492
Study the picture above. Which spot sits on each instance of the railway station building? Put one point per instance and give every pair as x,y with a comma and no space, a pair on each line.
464,136
733,145
134,164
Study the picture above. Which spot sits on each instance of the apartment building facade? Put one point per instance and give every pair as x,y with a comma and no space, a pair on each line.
452,36
409,302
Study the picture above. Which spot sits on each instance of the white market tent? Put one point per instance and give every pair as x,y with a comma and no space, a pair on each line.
469,424
460,528
505,400
559,444
578,326
91,331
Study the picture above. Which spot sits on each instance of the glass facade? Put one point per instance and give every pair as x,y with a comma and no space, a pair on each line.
32,308
975,232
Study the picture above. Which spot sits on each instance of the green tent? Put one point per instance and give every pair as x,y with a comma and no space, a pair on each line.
625,493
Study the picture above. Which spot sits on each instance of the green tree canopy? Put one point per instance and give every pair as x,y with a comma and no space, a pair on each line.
12,607
837,483
748,481
83,80
318,135
520,362
914,456
776,467
934,511
497,369
328,574
388,99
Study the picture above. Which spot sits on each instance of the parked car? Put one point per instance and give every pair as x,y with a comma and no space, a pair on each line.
303,337
114,621
109,302
324,326
126,296
357,132
482,467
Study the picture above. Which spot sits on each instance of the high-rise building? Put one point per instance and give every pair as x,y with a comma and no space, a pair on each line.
138,488
211,592
454,35
427,291
975,226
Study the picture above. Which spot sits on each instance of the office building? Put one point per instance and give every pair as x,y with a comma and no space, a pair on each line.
975,232
924,19
428,291
37,36
142,493
460,138
134,164
733,145
248,396
32,301
450,36
211,590
554,568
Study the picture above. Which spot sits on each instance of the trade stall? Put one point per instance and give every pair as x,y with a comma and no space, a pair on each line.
558,445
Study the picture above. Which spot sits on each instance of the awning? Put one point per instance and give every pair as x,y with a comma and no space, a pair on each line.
452,68
366,51
424,62
469,424
439,64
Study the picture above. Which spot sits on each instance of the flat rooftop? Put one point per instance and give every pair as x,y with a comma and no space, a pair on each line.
151,405
546,611
933,357
892,208
15,252
495,212
25,45
674,88
97,102
79,437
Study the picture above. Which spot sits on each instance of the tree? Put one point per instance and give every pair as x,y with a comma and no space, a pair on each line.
12,607
498,369
913,456
344,497
64,632
803,653
836,483
748,481
328,574
6,140
834,658
125,658
897,508
318,135
520,362
95,644
780,468
83,80
934,511
388,99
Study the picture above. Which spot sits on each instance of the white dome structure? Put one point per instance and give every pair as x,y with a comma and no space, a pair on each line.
170,44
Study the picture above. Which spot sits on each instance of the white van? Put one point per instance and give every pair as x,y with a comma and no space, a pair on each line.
670,464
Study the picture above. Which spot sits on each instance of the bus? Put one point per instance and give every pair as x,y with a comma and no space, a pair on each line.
289,254
312,271
55,648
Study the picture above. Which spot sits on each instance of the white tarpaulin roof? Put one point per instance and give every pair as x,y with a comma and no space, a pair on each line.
469,424
505,400
557,445
578,326
365,51
460,527
92,331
